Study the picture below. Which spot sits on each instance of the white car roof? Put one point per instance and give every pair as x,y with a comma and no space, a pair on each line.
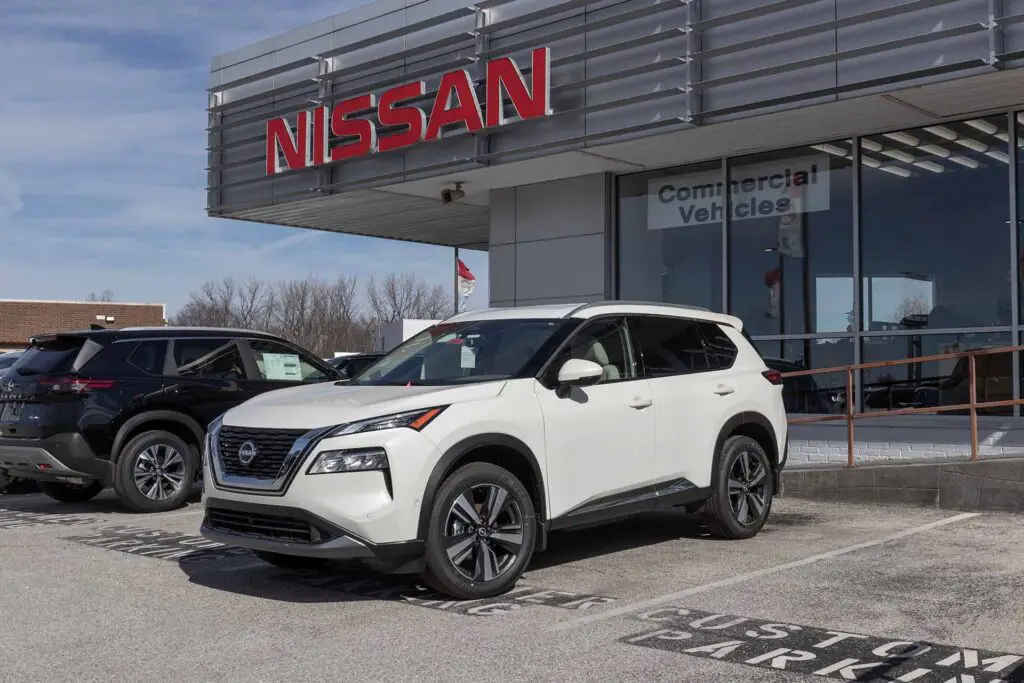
584,311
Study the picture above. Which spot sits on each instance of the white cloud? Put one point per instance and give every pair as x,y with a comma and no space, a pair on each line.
102,155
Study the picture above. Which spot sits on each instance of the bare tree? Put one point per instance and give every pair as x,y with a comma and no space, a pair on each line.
911,306
107,295
406,296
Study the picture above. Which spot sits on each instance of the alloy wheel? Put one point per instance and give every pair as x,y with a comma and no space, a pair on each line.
160,472
748,488
484,532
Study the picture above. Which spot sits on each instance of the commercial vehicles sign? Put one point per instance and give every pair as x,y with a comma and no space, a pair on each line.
456,102
770,189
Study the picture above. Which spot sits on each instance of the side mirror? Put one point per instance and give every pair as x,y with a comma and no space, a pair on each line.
577,372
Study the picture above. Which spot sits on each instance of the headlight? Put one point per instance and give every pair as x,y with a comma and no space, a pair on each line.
354,460
212,434
413,419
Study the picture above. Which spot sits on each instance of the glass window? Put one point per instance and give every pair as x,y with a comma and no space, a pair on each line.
54,355
208,359
604,343
669,346
934,211
791,240
670,236
935,383
810,394
149,356
279,363
721,350
470,351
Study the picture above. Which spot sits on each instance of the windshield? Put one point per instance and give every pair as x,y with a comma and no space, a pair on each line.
470,351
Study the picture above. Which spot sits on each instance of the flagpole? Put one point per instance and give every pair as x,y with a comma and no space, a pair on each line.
456,280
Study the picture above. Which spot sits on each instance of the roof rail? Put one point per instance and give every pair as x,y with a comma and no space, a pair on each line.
619,302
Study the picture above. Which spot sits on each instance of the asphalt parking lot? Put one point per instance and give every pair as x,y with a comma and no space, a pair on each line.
838,592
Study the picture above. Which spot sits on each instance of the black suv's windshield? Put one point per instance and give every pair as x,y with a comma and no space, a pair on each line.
470,351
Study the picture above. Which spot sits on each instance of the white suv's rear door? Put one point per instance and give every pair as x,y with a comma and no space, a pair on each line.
692,399
599,439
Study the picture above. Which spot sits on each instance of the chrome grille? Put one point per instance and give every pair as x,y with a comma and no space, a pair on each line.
272,447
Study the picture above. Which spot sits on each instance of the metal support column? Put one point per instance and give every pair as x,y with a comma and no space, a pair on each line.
694,103
482,43
857,281
1014,224
215,158
323,176
995,32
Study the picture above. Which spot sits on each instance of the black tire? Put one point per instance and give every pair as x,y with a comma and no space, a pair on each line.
71,493
140,458
499,546
739,510
290,561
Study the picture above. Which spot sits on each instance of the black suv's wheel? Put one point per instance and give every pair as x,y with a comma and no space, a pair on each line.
71,493
289,561
481,535
742,499
154,472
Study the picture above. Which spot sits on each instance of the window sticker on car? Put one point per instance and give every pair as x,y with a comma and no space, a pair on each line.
468,358
281,366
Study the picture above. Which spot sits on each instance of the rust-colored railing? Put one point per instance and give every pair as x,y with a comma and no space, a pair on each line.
973,406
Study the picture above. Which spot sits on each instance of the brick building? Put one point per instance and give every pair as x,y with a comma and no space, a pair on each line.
20,319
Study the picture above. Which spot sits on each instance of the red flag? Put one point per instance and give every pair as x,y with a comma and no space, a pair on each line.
464,271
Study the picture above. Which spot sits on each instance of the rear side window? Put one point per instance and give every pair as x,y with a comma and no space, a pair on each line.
57,355
670,346
129,359
721,351
149,356
208,359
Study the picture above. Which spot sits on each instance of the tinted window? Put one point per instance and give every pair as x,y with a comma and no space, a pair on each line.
112,360
57,355
149,356
670,346
278,362
208,359
602,342
357,365
721,351
7,361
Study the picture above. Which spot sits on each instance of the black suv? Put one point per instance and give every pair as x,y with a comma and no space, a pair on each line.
128,408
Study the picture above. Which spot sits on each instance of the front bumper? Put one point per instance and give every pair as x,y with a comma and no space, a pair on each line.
58,458
294,531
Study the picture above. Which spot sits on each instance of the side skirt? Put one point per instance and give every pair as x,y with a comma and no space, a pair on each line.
659,496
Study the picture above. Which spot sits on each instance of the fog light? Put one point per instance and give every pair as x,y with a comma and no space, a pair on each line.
362,460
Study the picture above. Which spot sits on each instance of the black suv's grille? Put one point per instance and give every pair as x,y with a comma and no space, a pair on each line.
261,525
272,447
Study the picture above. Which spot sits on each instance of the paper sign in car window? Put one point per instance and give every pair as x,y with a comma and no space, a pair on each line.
281,366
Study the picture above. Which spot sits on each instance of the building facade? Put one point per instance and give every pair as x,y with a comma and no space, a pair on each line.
20,319
841,174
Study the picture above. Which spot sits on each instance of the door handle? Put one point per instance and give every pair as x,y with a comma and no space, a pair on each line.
641,403
723,390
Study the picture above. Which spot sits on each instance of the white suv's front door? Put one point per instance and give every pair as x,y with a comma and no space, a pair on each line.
600,440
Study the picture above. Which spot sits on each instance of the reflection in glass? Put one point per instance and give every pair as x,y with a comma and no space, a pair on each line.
810,394
670,236
936,383
934,211
791,240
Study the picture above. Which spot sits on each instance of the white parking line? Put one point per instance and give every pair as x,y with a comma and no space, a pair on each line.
740,578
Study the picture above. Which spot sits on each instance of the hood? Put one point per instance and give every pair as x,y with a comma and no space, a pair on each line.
326,404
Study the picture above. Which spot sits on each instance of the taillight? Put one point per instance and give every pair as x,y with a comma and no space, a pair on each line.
773,376
72,385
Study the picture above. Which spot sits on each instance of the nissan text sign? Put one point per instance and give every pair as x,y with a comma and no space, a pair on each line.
456,102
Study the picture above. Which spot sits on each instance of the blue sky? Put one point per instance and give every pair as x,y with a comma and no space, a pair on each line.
102,151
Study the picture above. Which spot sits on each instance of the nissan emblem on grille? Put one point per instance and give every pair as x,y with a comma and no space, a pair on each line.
247,452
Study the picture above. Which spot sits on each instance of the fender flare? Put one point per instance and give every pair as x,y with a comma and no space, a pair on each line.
448,461
733,423
153,416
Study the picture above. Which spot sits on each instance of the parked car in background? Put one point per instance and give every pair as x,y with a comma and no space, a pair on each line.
8,359
455,454
81,411
350,366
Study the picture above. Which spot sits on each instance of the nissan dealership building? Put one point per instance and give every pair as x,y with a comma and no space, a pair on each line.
841,174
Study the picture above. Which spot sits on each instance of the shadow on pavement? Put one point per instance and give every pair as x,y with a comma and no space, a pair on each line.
106,503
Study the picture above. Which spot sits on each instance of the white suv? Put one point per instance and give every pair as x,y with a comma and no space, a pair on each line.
455,454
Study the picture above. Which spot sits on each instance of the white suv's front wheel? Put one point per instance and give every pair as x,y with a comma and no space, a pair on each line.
482,533
742,498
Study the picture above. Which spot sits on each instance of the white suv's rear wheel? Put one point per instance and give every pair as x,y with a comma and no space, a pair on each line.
742,498
482,533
